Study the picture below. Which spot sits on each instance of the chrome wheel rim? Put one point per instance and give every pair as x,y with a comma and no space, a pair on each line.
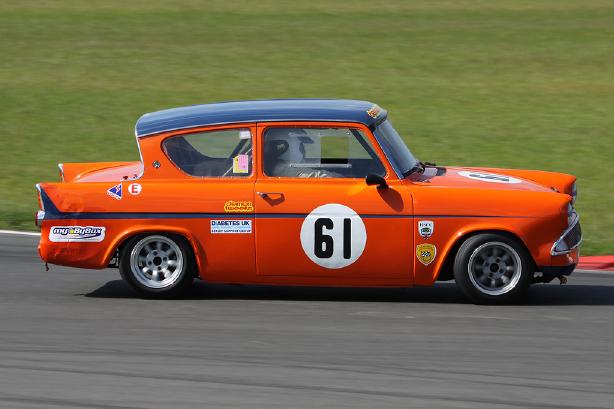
495,268
156,262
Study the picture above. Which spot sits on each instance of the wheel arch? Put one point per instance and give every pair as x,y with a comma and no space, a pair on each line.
120,240
445,268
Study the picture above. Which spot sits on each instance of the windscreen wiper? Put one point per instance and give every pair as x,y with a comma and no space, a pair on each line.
418,167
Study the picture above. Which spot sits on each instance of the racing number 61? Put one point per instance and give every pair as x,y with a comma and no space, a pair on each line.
333,236
324,243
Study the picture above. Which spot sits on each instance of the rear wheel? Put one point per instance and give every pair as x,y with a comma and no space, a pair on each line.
493,269
157,265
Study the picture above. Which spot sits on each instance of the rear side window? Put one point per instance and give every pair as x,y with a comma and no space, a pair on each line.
225,153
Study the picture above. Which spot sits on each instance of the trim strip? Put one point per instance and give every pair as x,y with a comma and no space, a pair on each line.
53,213
130,215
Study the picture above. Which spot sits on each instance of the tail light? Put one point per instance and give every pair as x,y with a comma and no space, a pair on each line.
40,214
38,218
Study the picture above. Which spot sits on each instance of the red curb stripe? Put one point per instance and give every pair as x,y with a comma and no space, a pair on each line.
605,263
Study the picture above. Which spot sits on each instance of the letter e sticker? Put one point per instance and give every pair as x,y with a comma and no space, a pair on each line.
134,189
333,236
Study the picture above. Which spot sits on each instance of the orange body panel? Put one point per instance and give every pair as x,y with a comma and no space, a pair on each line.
168,200
82,172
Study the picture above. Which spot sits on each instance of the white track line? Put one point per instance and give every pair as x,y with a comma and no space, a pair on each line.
21,233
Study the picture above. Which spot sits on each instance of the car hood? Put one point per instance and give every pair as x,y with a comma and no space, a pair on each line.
485,178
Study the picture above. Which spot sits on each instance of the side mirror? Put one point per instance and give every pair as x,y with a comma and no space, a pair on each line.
372,179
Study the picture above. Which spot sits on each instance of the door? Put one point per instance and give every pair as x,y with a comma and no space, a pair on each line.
216,197
316,216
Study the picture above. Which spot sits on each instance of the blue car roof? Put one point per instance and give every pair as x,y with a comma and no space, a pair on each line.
338,110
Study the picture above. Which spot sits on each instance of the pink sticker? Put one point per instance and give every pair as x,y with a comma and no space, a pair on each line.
240,164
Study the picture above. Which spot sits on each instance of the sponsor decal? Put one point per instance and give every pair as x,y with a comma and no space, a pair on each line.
115,192
426,228
245,134
231,226
488,177
374,111
426,253
134,189
333,236
240,164
233,206
76,234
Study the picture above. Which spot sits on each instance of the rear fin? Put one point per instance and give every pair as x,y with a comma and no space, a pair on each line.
72,172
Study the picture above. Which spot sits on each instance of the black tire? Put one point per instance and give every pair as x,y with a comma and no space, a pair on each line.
157,261
493,268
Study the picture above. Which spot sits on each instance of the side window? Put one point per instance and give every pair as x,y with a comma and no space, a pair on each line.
319,153
214,154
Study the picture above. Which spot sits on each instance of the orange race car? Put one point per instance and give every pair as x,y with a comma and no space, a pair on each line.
304,192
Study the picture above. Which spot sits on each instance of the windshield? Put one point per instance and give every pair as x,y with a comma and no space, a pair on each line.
395,149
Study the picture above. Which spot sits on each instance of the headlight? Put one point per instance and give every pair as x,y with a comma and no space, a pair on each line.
574,193
570,213
570,239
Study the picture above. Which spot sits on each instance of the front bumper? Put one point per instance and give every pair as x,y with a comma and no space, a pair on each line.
548,273
565,254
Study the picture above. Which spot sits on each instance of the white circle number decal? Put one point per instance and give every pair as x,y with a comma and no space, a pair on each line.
333,236
489,177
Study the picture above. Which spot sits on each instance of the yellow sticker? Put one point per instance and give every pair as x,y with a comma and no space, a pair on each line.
233,206
374,111
426,253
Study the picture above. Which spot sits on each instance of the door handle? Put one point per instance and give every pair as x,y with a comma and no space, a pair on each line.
265,195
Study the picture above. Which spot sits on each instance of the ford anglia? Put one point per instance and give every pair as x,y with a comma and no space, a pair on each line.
304,192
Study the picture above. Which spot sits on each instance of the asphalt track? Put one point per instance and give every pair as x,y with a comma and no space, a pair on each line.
80,339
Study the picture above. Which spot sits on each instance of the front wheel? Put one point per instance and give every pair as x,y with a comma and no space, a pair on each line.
157,265
493,269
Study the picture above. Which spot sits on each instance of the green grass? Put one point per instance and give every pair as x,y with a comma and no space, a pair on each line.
527,84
